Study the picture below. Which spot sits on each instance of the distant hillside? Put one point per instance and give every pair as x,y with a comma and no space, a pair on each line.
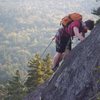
26,27
4,77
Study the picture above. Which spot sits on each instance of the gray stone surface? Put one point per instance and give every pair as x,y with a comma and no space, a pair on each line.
78,77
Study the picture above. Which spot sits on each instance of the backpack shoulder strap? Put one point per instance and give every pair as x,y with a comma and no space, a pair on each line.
81,26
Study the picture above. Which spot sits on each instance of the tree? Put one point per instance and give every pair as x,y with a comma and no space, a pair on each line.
15,89
39,71
47,67
3,92
97,12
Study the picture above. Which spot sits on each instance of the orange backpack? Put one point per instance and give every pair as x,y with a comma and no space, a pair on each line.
70,18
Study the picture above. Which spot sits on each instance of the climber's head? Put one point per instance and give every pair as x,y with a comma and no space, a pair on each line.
89,24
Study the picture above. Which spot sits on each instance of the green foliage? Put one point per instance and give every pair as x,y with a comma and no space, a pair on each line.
40,71
98,98
47,67
97,12
3,92
15,89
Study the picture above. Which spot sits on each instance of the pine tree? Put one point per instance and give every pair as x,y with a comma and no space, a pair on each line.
47,67
3,92
97,12
15,89
40,71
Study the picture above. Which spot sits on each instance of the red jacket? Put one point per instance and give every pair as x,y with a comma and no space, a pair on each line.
77,24
68,31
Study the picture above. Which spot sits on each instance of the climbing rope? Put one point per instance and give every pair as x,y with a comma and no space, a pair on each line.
46,48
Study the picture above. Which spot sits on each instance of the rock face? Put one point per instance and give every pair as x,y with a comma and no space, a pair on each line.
78,77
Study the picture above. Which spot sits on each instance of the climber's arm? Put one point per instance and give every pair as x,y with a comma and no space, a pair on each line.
79,35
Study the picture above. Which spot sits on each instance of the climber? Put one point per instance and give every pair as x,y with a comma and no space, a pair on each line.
63,37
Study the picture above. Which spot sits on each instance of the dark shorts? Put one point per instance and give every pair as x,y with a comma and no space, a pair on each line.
63,44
